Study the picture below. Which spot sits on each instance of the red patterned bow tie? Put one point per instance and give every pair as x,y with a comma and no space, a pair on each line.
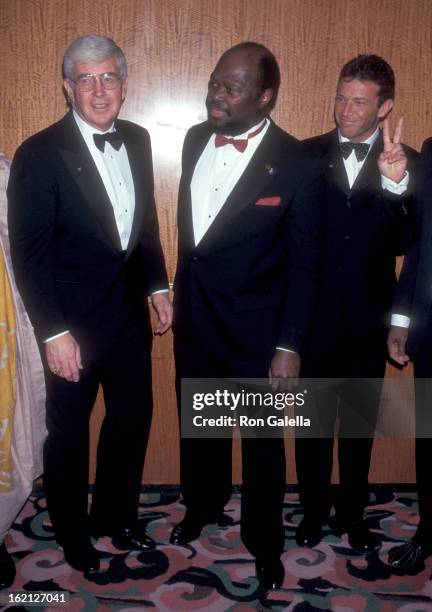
240,143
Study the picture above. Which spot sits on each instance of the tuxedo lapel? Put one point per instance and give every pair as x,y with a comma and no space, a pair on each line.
141,169
260,171
336,165
191,155
82,168
194,150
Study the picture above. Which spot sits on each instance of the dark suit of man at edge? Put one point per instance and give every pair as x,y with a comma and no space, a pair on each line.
369,220
411,336
248,256
86,252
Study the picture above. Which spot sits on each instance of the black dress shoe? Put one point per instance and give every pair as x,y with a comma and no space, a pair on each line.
409,557
7,568
360,538
309,532
82,557
132,538
187,530
270,573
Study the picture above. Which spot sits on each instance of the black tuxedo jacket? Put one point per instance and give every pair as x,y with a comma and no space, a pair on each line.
250,283
414,290
365,228
65,245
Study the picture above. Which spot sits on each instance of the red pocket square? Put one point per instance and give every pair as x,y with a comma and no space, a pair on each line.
275,201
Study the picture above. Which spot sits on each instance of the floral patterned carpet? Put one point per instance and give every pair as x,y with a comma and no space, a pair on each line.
216,573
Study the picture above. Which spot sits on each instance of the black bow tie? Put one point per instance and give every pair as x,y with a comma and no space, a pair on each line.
360,149
113,138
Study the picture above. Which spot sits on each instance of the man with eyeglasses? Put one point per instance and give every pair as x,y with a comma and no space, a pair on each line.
86,251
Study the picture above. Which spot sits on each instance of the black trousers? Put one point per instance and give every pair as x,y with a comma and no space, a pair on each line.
206,464
360,363
423,444
124,371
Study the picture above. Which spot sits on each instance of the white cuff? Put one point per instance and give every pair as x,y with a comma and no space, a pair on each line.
160,291
400,320
397,188
56,336
281,348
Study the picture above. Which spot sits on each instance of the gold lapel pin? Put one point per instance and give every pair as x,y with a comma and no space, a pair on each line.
270,169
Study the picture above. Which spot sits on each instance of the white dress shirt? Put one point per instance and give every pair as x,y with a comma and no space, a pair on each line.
216,173
114,169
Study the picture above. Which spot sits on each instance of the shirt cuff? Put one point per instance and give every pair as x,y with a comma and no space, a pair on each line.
160,291
56,336
400,320
397,188
281,348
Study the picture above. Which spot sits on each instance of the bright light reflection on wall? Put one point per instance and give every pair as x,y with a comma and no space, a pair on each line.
168,126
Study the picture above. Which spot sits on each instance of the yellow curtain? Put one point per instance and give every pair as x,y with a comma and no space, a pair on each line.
7,377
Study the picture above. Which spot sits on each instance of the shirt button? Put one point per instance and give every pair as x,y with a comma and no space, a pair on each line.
347,237
195,258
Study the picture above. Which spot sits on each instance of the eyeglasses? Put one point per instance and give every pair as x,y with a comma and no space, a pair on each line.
108,80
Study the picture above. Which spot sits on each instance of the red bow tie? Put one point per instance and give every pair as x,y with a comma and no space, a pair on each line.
239,143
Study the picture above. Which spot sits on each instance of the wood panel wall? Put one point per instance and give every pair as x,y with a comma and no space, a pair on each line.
172,46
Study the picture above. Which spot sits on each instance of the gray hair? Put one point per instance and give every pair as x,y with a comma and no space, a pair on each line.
92,48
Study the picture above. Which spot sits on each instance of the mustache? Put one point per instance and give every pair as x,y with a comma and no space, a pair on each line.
220,107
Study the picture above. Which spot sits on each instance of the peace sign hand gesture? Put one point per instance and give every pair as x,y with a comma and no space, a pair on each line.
392,162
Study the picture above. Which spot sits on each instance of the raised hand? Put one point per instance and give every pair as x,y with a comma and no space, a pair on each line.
392,162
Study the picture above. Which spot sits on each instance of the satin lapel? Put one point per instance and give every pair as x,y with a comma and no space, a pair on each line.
191,155
335,165
369,174
142,174
260,171
82,168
